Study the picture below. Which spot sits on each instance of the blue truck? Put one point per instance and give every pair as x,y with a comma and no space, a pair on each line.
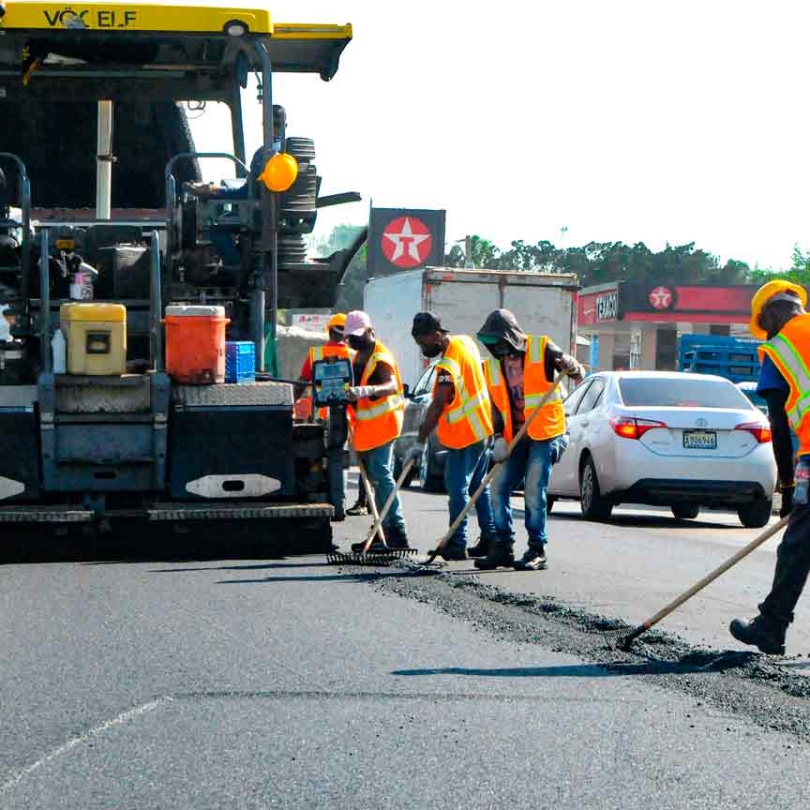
734,358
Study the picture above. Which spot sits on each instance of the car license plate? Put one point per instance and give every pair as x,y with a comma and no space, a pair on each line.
700,439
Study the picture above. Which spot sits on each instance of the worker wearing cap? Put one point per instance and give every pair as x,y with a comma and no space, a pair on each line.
377,416
519,373
460,412
778,314
335,347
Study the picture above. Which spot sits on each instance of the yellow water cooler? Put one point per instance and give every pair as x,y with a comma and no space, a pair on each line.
96,335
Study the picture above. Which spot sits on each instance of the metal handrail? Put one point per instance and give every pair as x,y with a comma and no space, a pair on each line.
25,207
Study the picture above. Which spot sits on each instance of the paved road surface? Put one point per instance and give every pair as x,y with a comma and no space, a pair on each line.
290,683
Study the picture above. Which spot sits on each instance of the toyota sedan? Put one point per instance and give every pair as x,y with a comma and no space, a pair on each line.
684,441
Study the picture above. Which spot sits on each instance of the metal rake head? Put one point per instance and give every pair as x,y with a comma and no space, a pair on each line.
376,559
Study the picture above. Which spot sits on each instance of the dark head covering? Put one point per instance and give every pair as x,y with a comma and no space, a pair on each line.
426,323
503,325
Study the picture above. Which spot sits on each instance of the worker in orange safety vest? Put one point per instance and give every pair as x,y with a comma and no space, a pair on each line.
376,416
778,315
460,415
335,347
520,372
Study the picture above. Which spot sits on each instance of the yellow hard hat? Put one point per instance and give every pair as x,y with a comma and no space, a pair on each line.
764,294
337,321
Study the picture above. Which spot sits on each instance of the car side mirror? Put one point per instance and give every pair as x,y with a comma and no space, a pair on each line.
406,391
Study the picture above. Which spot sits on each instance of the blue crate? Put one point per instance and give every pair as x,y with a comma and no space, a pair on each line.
240,361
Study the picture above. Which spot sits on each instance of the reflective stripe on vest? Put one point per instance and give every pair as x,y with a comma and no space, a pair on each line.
467,420
790,352
378,421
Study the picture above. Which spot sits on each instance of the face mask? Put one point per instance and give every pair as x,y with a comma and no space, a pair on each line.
360,342
432,351
500,350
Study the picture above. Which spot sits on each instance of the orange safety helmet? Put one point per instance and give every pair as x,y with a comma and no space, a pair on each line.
337,321
764,294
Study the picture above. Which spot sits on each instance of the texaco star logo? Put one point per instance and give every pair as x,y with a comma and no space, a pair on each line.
661,298
406,242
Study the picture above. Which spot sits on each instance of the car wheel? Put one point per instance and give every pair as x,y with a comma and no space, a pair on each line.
591,502
686,511
550,500
429,480
756,514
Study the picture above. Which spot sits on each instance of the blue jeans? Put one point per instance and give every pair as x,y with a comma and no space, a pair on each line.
464,470
379,464
532,461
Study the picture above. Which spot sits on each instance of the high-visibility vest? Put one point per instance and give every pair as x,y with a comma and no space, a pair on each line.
318,353
468,418
790,352
378,421
550,422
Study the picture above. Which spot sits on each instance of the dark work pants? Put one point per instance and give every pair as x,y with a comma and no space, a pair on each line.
792,568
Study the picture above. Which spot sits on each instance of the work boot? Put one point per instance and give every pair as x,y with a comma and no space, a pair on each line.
501,555
396,538
762,632
481,549
358,510
375,548
454,553
533,560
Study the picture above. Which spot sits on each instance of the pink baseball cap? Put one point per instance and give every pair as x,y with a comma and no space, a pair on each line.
357,322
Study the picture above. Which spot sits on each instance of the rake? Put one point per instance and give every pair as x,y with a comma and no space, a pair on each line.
383,555
623,642
445,539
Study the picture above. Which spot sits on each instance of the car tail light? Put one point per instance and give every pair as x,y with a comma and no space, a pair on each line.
631,428
762,433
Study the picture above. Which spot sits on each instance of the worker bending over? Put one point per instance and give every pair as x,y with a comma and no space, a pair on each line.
521,371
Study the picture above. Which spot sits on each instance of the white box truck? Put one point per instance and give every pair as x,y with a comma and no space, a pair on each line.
544,303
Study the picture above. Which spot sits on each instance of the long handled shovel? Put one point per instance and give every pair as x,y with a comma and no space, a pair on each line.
442,544
625,642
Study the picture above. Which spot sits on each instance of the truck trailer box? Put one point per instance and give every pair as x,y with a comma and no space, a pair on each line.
544,303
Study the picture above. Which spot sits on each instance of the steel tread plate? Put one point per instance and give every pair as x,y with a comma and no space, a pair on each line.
247,512
24,514
260,393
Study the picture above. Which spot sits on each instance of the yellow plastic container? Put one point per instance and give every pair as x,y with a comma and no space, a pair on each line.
96,335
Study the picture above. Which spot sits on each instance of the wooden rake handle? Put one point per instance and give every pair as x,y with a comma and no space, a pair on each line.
388,504
708,579
440,546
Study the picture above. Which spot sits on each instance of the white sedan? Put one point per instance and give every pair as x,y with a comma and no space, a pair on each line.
667,439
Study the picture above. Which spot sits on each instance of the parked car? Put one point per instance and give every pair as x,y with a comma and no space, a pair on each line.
668,439
430,472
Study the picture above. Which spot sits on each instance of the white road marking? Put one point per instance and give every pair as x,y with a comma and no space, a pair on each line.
120,720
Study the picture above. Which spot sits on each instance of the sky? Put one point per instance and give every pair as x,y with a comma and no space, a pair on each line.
567,120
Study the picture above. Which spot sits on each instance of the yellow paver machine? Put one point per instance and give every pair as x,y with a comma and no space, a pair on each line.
104,215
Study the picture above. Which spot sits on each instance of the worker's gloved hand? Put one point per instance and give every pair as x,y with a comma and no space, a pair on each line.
414,454
500,450
361,392
787,502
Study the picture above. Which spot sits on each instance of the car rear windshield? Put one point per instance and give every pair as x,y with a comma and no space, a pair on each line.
681,393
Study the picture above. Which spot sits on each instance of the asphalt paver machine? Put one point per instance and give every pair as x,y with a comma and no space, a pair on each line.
103,191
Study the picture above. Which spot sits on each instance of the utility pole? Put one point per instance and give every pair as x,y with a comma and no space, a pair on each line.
469,264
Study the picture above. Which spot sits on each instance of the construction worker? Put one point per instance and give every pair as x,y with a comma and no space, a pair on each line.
521,370
778,315
335,347
377,416
461,411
